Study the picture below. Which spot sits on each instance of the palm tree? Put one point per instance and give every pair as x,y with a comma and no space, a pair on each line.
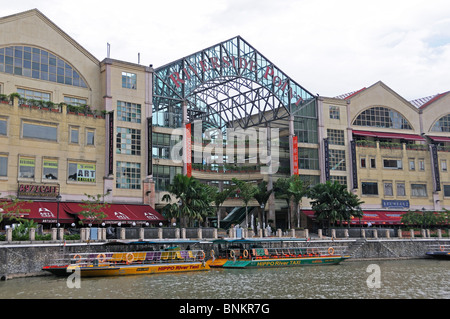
194,199
262,196
297,189
333,202
281,190
220,197
247,192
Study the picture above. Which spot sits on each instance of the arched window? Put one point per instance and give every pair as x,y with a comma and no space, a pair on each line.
382,117
38,64
442,125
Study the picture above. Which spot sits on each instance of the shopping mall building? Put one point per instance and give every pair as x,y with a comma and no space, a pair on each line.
123,130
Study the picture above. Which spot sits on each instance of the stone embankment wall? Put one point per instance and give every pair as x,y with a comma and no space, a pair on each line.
27,259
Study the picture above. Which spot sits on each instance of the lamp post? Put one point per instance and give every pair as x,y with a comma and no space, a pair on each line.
58,199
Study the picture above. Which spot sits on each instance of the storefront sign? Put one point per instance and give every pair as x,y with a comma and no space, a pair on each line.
240,65
354,166
395,203
86,173
188,151
37,190
295,154
435,168
326,152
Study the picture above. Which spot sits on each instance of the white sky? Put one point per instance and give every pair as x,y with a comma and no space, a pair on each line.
330,47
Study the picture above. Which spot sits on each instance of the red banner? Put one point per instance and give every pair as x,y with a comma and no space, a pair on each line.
295,154
188,151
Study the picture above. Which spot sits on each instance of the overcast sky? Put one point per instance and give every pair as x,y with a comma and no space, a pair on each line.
330,47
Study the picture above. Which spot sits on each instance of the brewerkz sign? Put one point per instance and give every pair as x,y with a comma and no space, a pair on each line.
37,190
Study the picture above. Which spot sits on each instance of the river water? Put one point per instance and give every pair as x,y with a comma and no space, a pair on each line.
390,279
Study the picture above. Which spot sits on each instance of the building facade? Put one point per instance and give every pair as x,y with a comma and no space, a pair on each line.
79,125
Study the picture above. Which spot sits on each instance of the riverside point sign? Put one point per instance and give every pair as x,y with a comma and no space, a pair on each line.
264,75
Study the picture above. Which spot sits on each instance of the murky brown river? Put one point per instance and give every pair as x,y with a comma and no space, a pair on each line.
402,279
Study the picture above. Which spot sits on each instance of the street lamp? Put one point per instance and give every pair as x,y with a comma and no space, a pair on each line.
58,199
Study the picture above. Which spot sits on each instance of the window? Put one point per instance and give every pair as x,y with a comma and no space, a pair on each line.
129,80
335,137
50,169
74,134
167,119
128,112
419,190
26,167
3,126
39,131
369,188
412,164
163,143
38,64
3,165
337,160
128,175
33,95
388,190
334,112
446,190
401,189
128,141
442,125
81,172
373,162
163,175
308,158
382,117
340,179
421,164
90,136
362,161
74,100
306,130
444,165
392,164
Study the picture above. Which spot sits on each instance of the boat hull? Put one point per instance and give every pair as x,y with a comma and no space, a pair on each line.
444,255
278,262
123,270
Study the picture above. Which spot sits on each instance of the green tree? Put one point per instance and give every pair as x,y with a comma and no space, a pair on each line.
297,189
262,196
192,199
246,192
11,208
220,197
281,190
292,189
93,209
332,202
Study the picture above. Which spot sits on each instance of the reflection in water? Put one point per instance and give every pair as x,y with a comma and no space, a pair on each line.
403,279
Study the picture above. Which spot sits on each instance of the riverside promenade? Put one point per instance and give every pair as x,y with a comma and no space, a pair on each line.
26,258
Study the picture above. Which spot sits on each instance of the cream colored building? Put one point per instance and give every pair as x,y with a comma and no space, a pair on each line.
394,168
103,135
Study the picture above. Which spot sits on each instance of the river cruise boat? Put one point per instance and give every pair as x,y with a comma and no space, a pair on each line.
272,252
165,260
439,251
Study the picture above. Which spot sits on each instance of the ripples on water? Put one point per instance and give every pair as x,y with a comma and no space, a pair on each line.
407,279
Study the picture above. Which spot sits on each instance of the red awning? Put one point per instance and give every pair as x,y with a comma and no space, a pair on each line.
373,217
44,212
121,213
410,137
440,138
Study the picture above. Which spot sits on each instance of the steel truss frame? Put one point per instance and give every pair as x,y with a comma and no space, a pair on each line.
228,85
